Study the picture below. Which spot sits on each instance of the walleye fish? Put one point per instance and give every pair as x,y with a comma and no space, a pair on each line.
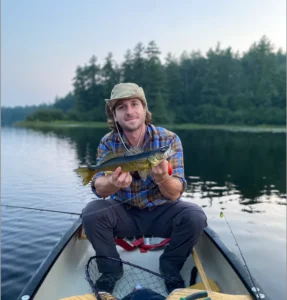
134,160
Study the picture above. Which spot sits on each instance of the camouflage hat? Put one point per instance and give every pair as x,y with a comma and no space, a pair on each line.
125,91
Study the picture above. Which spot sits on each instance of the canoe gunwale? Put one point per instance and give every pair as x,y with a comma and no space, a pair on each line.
236,264
35,282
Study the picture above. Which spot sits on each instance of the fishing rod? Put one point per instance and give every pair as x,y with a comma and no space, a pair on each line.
60,211
41,209
65,212
249,273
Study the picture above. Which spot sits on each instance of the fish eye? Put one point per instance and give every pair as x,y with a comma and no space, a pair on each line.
163,149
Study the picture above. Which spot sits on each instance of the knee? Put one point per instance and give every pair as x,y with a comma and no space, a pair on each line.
194,218
94,212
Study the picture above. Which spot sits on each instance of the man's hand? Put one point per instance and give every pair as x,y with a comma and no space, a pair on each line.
170,186
120,179
160,172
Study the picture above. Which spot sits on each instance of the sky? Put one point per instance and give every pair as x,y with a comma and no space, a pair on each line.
42,42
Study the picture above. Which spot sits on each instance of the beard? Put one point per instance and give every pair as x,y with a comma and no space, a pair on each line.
132,126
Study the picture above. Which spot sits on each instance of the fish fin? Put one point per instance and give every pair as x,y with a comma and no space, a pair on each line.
107,173
86,174
109,156
134,151
143,174
153,162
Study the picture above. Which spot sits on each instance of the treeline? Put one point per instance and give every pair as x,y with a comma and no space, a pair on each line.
42,112
10,115
220,87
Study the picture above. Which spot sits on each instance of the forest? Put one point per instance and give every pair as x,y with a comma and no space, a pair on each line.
219,87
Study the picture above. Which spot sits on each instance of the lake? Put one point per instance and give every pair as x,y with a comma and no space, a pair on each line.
240,173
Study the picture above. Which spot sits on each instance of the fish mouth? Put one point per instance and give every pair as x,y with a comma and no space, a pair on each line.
171,152
167,151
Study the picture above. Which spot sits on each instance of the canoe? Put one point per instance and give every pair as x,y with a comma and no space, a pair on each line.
63,275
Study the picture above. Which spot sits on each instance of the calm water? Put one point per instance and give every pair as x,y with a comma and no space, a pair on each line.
243,174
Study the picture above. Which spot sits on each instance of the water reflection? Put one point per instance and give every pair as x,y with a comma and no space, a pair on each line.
246,167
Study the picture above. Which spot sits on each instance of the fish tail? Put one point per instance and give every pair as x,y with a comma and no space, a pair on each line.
86,174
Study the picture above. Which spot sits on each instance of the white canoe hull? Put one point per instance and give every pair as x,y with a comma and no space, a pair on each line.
63,273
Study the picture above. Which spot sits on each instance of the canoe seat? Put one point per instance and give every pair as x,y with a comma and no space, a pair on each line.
183,293
200,286
139,243
81,297
104,296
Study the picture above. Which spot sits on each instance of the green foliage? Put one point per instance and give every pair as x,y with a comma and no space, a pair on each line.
220,87
65,104
46,115
10,115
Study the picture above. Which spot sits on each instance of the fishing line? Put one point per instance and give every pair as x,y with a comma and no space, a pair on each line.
71,213
221,216
41,209
65,212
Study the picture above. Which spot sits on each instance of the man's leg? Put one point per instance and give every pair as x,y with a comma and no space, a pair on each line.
102,221
184,222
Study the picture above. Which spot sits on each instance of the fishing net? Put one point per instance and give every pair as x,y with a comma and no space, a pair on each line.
134,277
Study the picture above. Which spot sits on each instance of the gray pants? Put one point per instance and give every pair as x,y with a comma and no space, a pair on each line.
182,221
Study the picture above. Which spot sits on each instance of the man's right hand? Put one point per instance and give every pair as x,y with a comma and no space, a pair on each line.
120,179
108,185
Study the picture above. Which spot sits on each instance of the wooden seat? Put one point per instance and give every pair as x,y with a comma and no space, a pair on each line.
104,296
81,297
183,293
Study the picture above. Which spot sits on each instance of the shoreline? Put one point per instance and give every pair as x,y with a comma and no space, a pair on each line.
237,128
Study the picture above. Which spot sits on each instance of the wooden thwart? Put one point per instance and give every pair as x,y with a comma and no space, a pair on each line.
201,270
104,296
81,297
207,284
200,286
183,293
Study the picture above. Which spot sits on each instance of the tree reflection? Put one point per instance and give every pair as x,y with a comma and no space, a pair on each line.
218,164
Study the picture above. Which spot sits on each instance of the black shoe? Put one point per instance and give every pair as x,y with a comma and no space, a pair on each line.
173,282
106,283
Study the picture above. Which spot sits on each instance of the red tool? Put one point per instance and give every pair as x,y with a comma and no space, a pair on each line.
169,169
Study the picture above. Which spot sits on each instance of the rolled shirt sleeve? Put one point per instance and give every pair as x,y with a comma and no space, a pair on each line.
176,161
101,153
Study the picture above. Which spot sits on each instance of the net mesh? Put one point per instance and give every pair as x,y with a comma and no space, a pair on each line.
134,276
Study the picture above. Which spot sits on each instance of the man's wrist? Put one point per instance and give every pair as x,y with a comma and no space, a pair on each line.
162,179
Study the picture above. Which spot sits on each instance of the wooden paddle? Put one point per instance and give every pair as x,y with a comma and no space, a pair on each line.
213,293
187,292
201,270
207,283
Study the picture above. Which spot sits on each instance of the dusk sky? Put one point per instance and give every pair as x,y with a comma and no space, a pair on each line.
42,42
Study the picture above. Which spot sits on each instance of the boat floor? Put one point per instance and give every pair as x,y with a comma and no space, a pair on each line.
67,277
75,273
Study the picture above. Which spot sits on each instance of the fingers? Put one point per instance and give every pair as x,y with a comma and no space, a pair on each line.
161,168
117,172
124,179
160,171
121,179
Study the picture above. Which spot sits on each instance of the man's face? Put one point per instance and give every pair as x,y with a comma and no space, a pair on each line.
130,114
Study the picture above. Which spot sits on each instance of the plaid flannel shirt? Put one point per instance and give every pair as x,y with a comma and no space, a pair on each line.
143,193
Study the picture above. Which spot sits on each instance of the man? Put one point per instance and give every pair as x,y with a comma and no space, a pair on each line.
150,207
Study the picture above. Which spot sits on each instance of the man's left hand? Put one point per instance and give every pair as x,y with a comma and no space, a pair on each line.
160,172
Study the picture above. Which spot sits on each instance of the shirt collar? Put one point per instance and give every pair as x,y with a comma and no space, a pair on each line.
147,138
